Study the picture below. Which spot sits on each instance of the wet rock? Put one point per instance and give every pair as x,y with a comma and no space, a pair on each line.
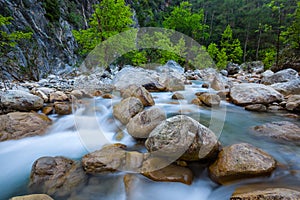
56,176
172,82
107,96
144,122
210,99
280,76
62,108
253,67
18,125
182,137
130,182
256,107
171,173
269,194
48,110
32,197
197,102
217,85
240,161
139,92
287,88
293,103
282,131
177,96
275,108
127,109
252,93
17,100
233,68
58,96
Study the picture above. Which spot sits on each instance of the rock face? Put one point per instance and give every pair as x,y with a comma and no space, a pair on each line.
269,194
252,93
293,103
280,77
17,100
56,176
282,131
210,99
172,173
241,161
144,122
184,136
139,92
127,109
33,197
18,125
287,88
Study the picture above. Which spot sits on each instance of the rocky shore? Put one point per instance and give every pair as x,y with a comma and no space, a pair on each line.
25,107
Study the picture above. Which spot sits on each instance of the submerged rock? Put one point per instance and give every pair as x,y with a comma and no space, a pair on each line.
252,93
240,161
282,131
182,137
127,109
56,176
144,122
171,173
18,100
32,197
18,125
139,92
269,194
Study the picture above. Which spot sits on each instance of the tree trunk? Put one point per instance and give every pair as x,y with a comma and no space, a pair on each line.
246,43
258,43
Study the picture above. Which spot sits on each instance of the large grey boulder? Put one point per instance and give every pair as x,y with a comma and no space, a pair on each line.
18,100
287,88
280,77
183,137
252,93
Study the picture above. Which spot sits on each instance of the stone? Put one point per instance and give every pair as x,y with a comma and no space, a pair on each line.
282,131
18,125
256,107
240,161
47,110
253,67
127,109
288,88
210,99
268,194
267,73
197,102
144,122
280,77
107,96
253,93
233,68
209,74
171,173
177,96
56,176
32,197
182,137
17,100
58,96
224,72
77,93
217,85
293,103
62,108
139,92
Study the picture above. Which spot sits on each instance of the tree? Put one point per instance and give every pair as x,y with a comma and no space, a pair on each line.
110,18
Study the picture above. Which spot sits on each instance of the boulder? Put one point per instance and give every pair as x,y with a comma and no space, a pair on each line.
32,197
293,103
56,176
139,92
197,102
287,88
210,75
280,77
282,131
210,99
268,194
171,173
58,96
48,110
62,108
172,82
253,67
252,93
18,100
240,161
233,68
144,122
217,85
18,125
177,96
256,107
267,73
182,137
127,109
170,67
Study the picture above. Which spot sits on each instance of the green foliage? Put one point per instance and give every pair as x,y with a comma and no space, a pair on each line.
269,57
110,18
74,16
52,10
182,19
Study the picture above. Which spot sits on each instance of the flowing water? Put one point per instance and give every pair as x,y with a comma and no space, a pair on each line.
74,136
